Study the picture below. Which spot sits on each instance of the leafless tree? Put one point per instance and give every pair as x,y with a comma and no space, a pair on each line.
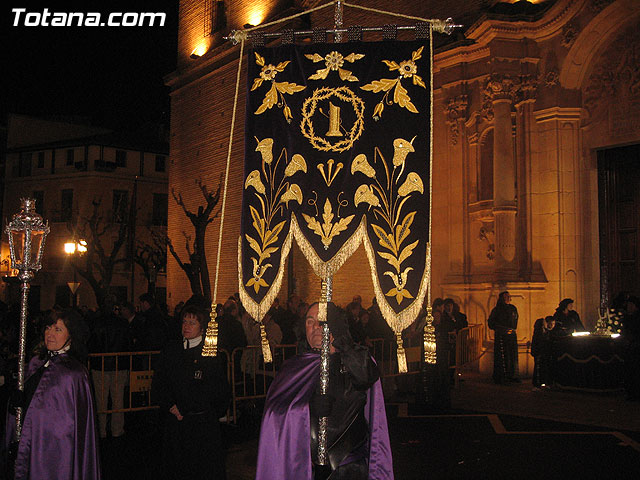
105,241
197,268
152,257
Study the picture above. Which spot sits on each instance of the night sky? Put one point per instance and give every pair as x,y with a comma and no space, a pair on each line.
113,76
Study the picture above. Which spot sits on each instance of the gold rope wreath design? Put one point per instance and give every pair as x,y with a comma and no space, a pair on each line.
309,108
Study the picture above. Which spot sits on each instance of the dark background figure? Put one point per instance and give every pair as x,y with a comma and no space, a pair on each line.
459,317
542,352
567,319
193,393
152,329
503,320
631,334
230,332
288,319
110,374
59,438
357,438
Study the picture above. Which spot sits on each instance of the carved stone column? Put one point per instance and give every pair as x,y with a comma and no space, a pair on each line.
455,111
499,89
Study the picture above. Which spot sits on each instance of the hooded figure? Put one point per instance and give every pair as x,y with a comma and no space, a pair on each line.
357,436
59,437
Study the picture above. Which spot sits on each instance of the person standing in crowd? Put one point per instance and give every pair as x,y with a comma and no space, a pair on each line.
503,320
567,319
59,439
193,393
288,319
542,352
631,334
357,438
110,374
152,331
230,332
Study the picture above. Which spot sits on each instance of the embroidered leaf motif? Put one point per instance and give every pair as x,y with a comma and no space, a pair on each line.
384,84
315,58
259,60
401,98
320,74
286,87
391,64
327,230
269,101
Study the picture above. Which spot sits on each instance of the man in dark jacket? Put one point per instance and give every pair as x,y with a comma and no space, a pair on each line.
110,374
503,320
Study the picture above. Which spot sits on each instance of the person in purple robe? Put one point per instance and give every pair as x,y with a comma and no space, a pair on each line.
358,445
59,437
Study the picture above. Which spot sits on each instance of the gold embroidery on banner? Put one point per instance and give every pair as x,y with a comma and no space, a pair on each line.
309,108
259,310
275,95
328,229
334,61
387,208
270,204
329,268
406,69
331,175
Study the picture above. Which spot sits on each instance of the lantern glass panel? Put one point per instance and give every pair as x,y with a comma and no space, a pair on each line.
17,237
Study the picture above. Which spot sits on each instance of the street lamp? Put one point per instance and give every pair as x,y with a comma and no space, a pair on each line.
71,248
27,232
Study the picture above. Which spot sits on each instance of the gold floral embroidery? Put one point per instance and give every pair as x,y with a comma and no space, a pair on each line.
387,207
271,202
328,229
275,95
406,69
334,61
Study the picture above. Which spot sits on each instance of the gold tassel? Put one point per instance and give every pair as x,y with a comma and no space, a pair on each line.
210,348
402,357
429,339
266,351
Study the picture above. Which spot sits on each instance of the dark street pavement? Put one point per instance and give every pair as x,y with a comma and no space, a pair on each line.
491,431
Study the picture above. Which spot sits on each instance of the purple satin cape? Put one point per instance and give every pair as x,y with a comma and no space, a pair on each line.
59,439
284,451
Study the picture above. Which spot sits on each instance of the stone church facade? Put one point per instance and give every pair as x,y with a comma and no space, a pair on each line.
536,114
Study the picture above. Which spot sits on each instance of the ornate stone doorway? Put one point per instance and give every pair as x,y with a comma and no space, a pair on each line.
619,207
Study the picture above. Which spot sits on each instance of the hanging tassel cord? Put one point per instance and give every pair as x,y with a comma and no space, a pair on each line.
211,338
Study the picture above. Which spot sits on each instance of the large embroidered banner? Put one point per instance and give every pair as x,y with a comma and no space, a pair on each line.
337,154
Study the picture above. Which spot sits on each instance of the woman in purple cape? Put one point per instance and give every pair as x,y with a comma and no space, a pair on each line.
357,437
59,438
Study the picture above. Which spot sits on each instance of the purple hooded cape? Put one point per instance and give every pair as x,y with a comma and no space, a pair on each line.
59,439
284,451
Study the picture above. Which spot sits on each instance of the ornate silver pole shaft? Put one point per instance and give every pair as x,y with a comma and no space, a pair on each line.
26,277
337,21
323,422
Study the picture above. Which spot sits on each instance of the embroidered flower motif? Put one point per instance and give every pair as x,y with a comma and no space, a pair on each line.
334,60
408,68
268,72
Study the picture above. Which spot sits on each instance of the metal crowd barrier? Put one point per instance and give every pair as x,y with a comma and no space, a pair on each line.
250,378
137,370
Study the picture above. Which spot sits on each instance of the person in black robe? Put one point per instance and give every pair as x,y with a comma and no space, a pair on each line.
503,320
631,334
542,352
567,319
193,393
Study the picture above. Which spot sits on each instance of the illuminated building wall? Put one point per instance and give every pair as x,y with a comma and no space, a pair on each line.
526,96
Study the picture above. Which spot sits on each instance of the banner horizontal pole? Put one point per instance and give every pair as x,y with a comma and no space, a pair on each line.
441,26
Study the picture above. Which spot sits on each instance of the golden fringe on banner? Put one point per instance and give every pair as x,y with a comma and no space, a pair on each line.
328,269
